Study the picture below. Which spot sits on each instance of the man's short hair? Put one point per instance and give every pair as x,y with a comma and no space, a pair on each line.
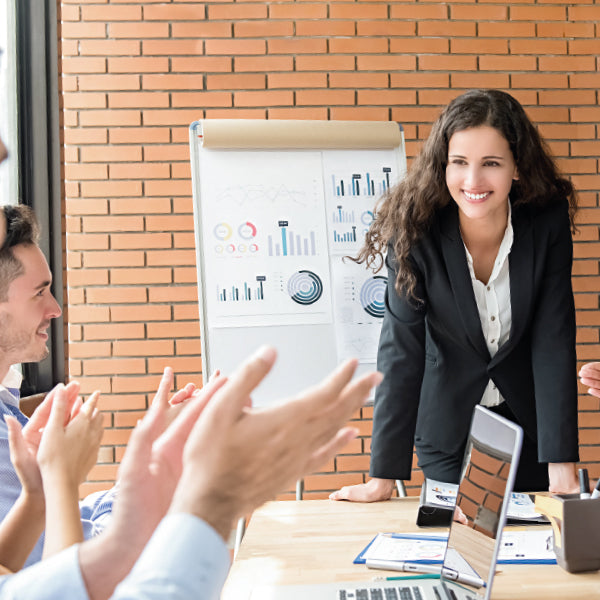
21,228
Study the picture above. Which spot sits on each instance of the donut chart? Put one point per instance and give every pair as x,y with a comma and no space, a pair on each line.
305,287
372,294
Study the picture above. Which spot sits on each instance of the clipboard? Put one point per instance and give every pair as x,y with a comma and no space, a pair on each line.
533,547
416,539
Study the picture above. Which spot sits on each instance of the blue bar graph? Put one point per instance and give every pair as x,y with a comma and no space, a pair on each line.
346,236
292,243
244,292
369,183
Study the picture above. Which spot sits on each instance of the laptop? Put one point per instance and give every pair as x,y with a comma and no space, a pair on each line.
467,572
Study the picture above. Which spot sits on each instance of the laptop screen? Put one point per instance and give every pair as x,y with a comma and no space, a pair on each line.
488,474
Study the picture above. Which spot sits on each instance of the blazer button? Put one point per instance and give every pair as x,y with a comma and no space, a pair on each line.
492,318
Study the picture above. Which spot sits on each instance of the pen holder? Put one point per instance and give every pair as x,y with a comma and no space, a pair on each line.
576,527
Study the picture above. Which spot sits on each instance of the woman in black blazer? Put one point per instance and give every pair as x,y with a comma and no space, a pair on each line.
479,304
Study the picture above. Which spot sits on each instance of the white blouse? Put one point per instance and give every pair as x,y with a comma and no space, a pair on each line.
493,304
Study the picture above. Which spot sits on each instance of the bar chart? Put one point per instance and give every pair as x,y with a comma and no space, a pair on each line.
290,243
368,183
243,292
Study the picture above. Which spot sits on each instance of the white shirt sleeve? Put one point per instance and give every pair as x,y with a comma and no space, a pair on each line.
56,578
184,559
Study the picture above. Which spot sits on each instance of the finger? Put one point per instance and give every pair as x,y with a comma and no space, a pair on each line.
161,399
139,449
354,395
215,374
72,390
75,410
183,394
332,385
330,449
352,493
232,397
89,407
180,429
16,443
591,367
341,494
590,381
594,392
334,411
56,420
40,415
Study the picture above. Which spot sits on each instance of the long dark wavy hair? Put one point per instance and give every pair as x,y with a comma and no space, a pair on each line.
406,212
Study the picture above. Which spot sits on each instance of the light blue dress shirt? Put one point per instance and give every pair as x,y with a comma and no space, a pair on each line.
95,509
184,560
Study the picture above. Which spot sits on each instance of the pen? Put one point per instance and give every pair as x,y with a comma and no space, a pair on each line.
402,577
463,578
398,565
596,492
584,484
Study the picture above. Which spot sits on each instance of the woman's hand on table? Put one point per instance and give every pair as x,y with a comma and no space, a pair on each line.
375,490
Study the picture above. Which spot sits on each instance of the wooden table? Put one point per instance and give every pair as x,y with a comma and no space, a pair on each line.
315,541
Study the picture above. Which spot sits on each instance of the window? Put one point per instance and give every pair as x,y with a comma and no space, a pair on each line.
8,103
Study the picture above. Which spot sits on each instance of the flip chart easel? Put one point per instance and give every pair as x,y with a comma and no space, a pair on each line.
277,205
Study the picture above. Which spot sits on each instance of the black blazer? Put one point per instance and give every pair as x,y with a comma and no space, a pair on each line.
434,358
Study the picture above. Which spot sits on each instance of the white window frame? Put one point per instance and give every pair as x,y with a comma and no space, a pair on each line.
9,170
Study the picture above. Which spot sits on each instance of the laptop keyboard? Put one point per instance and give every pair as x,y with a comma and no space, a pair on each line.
380,593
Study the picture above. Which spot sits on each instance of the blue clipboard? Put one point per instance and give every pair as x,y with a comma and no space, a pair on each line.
360,558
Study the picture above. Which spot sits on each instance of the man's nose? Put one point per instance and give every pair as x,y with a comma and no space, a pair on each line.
53,310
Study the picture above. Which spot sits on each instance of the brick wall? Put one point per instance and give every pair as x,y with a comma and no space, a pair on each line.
136,74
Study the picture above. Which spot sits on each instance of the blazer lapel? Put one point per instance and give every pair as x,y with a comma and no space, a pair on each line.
521,260
455,258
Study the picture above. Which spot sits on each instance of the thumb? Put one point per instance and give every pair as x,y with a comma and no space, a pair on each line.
16,443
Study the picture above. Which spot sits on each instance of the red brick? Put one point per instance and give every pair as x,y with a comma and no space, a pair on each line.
451,28
356,46
172,47
203,29
418,12
140,31
89,349
83,64
144,135
111,331
116,294
140,276
111,153
328,28
263,63
389,63
79,31
109,48
109,82
111,13
143,348
172,330
174,12
241,46
200,64
137,64
304,10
